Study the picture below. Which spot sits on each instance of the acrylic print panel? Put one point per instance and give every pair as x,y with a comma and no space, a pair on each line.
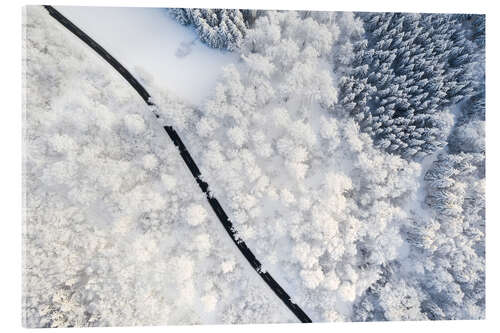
222,166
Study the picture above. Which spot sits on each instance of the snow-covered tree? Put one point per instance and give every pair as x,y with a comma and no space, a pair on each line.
445,261
303,186
116,232
456,194
404,75
218,28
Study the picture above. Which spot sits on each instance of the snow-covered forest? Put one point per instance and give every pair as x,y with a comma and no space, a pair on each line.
347,149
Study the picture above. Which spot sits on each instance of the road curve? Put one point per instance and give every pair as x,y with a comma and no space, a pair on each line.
188,160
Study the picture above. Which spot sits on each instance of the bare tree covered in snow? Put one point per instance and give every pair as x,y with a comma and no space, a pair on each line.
306,190
116,231
330,144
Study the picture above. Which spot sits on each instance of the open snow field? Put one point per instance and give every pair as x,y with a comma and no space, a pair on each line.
151,40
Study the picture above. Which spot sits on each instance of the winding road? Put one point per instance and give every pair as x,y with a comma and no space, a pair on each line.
188,160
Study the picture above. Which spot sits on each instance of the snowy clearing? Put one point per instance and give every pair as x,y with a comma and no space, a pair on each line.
149,39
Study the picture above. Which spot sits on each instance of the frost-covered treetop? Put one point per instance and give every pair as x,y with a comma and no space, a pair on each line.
219,28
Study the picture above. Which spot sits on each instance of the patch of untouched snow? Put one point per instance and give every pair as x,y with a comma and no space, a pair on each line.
148,38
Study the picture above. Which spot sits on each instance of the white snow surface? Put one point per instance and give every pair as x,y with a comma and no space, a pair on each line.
151,40
106,242
318,205
321,208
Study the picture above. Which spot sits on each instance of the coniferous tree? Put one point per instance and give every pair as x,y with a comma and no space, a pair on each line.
404,74
218,28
